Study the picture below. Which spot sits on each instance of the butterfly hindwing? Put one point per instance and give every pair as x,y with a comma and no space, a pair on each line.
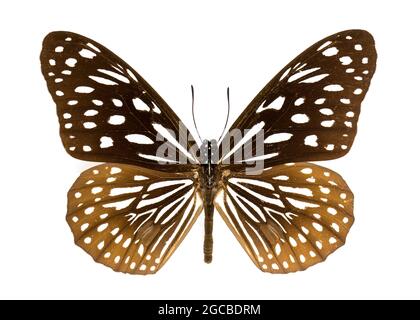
290,217
107,111
130,218
309,110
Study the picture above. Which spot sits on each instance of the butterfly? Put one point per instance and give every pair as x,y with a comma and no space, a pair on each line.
132,212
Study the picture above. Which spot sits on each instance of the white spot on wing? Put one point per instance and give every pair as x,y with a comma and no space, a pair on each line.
275,105
301,74
330,52
140,105
84,89
333,88
116,120
311,140
278,137
85,53
300,118
139,139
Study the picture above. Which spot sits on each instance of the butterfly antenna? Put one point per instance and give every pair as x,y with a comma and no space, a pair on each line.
227,117
193,113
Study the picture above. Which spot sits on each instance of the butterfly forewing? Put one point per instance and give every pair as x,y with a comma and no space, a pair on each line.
107,111
289,218
309,110
130,218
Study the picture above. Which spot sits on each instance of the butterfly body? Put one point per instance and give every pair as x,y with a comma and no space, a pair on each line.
132,212
209,182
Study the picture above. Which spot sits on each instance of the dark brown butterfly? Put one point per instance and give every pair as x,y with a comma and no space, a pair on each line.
132,212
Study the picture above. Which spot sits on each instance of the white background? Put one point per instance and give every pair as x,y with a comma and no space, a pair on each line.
212,45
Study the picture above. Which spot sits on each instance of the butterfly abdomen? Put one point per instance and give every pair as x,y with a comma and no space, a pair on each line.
208,232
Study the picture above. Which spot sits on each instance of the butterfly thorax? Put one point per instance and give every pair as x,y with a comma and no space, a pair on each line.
209,176
209,173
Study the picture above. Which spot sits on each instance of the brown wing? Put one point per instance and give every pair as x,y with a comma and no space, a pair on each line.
130,218
289,218
107,111
309,110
